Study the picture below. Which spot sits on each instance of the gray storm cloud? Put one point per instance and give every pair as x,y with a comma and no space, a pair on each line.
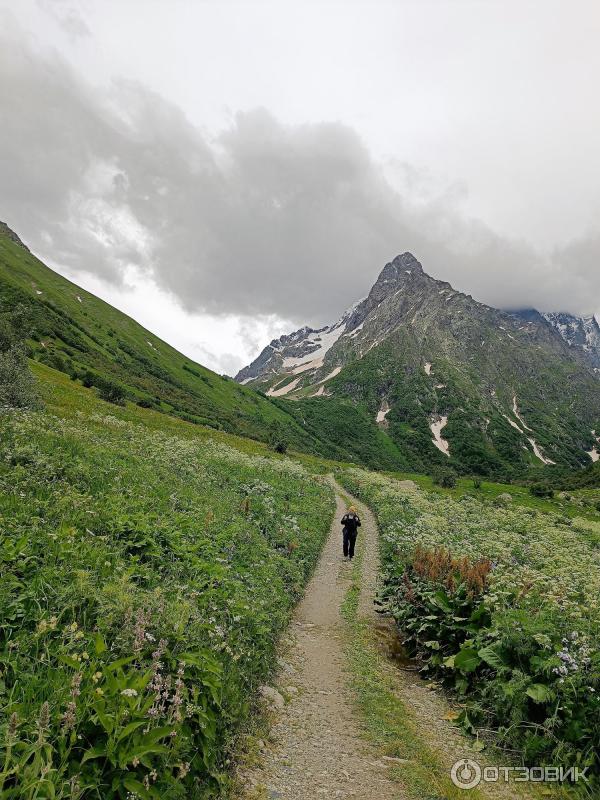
262,218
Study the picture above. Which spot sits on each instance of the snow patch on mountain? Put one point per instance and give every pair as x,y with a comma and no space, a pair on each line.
538,453
518,415
534,445
335,371
302,350
323,340
382,413
594,454
513,423
284,389
437,424
356,331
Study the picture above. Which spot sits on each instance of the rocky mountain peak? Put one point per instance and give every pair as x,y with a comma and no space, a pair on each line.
402,266
396,275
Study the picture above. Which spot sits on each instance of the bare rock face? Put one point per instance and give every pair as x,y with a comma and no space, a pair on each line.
306,350
580,333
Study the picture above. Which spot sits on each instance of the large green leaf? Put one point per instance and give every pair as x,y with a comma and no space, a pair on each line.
133,726
441,600
492,657
99,751
467,660
539,693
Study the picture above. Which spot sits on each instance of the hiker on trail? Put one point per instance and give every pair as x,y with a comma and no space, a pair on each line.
351,523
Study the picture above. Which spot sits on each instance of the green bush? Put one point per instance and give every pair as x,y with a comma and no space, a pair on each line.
446,478
277,439
542,490
17,385
111,391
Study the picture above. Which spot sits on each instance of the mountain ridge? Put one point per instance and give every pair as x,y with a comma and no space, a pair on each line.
445,356
580,333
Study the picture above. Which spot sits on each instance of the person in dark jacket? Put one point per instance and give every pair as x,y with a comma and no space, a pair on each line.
351,523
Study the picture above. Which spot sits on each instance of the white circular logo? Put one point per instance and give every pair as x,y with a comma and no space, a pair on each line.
466,774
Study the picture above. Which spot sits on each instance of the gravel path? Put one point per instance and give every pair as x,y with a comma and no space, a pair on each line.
316,746
318,749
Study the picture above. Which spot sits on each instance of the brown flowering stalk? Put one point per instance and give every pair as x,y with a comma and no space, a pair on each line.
157,681
43,722
438,565
69,717
142,619
177,699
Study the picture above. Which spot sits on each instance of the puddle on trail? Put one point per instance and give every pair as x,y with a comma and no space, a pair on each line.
390,643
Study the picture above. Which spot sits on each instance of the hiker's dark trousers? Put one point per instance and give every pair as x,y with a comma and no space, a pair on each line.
349,542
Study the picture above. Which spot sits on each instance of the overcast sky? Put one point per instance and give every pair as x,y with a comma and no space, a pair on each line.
226,172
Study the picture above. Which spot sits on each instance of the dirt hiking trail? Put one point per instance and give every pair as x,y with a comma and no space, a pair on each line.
317,745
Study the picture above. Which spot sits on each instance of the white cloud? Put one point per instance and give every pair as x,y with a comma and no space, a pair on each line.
253,226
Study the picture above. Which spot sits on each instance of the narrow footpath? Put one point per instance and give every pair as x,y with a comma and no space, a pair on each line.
318,744
319,750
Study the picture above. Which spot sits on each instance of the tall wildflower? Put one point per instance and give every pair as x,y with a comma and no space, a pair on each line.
177,699
158,684
69,717
43,722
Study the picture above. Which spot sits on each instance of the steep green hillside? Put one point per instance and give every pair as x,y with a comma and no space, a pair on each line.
476,394
92,342
79,334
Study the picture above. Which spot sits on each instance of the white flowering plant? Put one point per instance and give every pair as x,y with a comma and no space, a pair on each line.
144,581
502,605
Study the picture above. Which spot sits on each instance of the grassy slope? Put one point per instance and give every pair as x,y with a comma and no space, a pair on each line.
118,522
66,399
571,504
75,335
